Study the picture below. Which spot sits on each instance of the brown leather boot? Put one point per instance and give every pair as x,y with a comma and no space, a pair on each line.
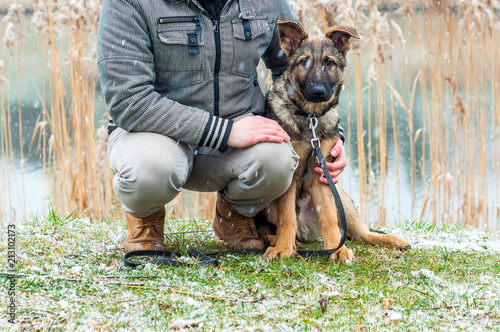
145,233
236,230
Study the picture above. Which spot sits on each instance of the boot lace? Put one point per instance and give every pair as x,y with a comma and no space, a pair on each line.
145,223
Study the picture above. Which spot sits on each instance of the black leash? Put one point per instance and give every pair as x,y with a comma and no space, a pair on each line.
315,143
201,259
167,258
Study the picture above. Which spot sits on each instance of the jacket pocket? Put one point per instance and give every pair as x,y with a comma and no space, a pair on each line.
179,54
251,39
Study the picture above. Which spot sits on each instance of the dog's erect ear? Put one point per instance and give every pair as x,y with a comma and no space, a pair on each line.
291,35
340,36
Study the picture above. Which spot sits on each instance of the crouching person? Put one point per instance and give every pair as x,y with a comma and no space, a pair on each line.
180,83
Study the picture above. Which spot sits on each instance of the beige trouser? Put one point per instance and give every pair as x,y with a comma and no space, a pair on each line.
151,169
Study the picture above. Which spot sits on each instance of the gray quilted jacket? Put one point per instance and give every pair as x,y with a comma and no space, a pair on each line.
168,67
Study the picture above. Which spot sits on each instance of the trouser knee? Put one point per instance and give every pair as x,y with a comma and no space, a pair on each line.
147,178
145,187
266,178
277,169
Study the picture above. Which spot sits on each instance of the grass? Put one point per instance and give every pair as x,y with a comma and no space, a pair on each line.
70,277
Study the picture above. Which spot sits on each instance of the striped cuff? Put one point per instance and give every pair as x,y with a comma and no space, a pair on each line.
216,133
341,132
111,126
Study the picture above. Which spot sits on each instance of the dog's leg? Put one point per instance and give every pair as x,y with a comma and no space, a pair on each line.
286,224
359,232
329,222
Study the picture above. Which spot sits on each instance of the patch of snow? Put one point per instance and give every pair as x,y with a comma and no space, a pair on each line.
394,315
464,239
333,293
470,245
183,323
76,268
426,274
63,304
192,302
397,285
321,278
477,313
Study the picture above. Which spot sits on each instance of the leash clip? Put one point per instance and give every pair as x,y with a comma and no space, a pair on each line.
313,123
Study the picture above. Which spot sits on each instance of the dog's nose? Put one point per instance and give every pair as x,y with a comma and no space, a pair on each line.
318,91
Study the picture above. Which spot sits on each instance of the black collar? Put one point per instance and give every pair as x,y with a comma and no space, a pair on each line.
300,111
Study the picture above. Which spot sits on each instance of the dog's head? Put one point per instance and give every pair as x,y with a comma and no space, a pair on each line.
315,71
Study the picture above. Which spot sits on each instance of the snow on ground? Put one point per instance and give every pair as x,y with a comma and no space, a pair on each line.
468,305
456,239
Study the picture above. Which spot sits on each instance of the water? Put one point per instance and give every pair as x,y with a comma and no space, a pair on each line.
23,193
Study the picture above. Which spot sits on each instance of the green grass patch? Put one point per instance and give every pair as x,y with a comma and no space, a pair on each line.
70,276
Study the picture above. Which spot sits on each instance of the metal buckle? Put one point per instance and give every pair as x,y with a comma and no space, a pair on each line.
313,123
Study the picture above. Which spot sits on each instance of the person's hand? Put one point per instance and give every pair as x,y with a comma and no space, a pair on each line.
251,130
337,166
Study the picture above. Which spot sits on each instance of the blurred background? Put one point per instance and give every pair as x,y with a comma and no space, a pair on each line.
420,107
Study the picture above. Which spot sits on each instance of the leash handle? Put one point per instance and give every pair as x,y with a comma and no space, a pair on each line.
167,258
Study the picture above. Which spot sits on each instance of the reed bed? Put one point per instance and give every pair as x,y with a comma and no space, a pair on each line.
422,90
454,145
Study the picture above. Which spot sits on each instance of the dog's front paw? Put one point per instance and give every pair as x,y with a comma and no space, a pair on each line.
275,252
342,255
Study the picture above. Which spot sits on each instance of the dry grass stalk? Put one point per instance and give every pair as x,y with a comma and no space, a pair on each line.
5,147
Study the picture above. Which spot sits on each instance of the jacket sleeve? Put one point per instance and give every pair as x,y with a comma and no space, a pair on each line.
274,58
126,73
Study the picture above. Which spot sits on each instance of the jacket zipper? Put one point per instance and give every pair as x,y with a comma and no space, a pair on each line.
177,19
182,19
217,66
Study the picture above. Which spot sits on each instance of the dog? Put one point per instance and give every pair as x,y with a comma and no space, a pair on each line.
310,87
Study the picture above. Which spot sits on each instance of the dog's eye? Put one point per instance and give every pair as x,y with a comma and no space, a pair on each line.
305,62
329,63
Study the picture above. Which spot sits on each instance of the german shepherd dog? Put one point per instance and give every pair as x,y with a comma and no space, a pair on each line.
310,87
